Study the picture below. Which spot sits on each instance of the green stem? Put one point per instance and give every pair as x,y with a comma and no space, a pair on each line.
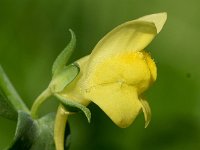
12,95
59,127
40,99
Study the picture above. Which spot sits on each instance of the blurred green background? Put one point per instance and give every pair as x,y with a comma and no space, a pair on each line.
33,32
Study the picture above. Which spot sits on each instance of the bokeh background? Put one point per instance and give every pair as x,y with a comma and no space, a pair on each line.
33,32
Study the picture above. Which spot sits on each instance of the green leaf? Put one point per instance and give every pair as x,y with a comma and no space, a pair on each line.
45,130
10,101
73,106
36,134
26,132
64,56
66,76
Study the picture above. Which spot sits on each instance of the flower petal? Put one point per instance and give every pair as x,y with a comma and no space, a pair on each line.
119,101
131,36
158,19
130,68
152,66
147,111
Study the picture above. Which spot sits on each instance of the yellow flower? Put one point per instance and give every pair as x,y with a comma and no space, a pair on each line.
118,71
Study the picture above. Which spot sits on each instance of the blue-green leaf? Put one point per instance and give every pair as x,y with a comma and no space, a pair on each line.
64,56
26,132
36,134
45,130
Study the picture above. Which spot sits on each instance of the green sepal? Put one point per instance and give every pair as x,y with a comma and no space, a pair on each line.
63,78
36,134
73,106
10,101
64,56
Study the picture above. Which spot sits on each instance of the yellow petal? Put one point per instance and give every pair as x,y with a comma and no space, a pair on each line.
131,36
130,68
119,101
152,66
158,19
147,111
